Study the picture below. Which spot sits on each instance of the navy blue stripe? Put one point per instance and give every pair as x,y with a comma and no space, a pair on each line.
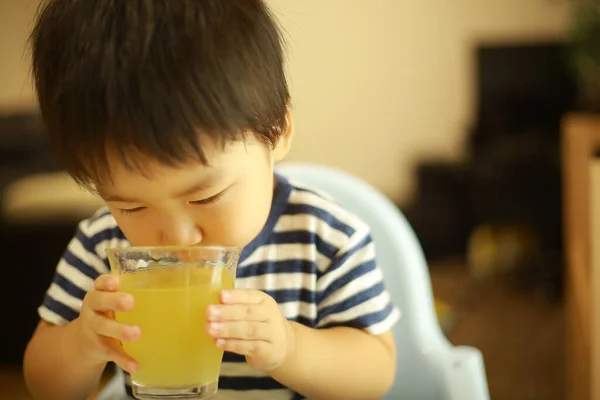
277,267
353,301
350,276
59,308
303,189
305,237
72,260
340,260
249,383
328,218
85,241
363,321
89,243
69,286
293,295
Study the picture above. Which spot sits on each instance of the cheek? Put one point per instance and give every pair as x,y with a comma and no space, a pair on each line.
237,224
239,220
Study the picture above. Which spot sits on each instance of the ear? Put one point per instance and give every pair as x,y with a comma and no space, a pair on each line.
285,141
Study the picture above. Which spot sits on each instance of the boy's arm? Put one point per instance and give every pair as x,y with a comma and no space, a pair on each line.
342,363
351,354
54,368
55,363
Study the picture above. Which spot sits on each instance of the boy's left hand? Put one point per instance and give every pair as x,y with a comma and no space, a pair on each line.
248,322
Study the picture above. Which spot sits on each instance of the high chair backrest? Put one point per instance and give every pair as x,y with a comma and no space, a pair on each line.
428,366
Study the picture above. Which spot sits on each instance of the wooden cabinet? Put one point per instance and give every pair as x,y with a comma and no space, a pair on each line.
581,185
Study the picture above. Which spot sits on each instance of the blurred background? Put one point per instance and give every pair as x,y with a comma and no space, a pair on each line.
479,118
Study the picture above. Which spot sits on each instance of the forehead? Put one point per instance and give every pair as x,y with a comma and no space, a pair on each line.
145,171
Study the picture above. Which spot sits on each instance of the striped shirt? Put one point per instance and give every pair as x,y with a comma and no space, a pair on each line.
313,257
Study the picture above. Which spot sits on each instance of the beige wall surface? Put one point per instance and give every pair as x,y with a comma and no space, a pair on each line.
377,85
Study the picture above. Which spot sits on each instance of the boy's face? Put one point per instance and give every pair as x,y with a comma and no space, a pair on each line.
226,203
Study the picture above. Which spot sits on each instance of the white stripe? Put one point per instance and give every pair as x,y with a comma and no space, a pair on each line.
283,252
58,294
88,258
95,226
352,288
311,223
50,316
356,260
347,218
295,309
281,281
386,324
374,304
276,394
106,244
75,276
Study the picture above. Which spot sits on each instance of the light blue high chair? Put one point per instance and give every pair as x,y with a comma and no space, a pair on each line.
429,367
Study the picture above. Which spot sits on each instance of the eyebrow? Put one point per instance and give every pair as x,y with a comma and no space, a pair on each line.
198,186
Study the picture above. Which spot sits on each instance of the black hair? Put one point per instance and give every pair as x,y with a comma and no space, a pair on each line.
146,76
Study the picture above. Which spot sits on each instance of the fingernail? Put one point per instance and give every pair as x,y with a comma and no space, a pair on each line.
132,332
225,296
215,328
213,312
112,283
220,343
126,301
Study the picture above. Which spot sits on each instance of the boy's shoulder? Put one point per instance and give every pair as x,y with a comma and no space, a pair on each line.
317,213
307,200
101,228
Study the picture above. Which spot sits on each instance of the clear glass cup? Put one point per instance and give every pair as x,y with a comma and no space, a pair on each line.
172,287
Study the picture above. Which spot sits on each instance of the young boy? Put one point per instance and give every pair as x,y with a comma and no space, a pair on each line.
174,112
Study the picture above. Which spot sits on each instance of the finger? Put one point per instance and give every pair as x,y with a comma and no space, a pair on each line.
110,328
109,301
107,282
237,312
242,347
116,354
240,330
242,296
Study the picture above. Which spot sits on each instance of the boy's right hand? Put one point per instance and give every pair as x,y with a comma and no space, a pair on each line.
97,334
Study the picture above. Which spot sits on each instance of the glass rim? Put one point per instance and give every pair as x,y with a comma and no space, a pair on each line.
171,249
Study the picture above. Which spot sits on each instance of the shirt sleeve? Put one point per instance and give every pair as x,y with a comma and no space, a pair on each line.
352,290
79,266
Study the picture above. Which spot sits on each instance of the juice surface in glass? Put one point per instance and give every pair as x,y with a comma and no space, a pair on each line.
170,309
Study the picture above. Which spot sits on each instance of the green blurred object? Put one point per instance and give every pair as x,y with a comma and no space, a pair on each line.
445,315
585,52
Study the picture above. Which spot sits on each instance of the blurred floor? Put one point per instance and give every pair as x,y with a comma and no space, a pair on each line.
520,334
521,337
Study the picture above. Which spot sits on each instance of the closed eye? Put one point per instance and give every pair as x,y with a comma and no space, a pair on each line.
129,211
209,200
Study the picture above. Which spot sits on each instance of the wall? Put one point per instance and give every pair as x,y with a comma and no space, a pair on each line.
15,23
378,85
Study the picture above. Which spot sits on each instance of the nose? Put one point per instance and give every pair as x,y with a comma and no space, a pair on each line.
180,233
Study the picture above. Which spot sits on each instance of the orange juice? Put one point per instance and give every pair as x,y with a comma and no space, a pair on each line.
170,309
